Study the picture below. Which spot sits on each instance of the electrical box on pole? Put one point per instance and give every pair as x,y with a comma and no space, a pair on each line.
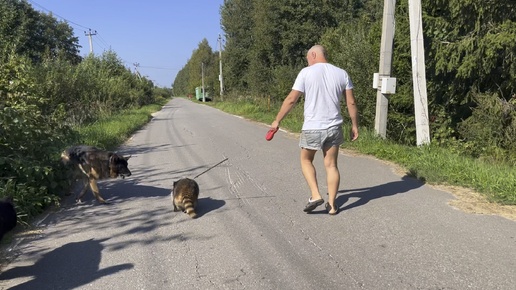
386,85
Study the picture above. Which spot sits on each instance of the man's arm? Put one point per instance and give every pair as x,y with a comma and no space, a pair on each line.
287,105
353,113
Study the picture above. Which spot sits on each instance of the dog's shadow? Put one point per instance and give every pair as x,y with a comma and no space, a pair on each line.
119,190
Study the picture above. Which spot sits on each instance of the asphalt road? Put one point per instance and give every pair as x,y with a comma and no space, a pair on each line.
393,232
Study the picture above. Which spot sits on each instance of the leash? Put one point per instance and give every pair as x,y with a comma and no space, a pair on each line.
210,168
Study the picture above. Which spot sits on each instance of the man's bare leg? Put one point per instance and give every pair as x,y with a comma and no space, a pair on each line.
331,155
308,169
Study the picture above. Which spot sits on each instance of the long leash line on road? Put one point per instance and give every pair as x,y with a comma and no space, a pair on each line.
210,168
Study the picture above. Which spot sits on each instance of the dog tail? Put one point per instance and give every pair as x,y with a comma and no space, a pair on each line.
189,208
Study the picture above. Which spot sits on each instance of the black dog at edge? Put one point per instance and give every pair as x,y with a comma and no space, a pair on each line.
8,217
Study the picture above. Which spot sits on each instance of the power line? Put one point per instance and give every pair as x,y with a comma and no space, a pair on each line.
102,40
154,67
100,44
77,24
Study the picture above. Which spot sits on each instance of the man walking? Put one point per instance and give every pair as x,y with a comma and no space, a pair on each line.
323,85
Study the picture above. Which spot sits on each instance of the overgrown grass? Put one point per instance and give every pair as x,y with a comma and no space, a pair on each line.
262,112
112,131
437,165
431,164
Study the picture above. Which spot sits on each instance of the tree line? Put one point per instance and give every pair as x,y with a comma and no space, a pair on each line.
470,63
47,92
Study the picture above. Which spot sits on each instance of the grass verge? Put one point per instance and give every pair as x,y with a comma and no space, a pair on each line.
431,164
112,131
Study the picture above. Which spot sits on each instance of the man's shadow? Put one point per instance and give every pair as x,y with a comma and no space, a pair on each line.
367,194
67,267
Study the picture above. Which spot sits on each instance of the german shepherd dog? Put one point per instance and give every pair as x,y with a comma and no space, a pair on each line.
95,164
8,217
184,196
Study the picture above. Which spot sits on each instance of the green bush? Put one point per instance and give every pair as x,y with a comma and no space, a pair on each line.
29,140
491,129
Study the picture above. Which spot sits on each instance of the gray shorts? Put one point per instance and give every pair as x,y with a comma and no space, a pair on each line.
324,138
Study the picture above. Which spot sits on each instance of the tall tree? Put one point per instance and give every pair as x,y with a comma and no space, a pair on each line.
264,50
237,22
473,45
202,60
267,40
25,31
181,81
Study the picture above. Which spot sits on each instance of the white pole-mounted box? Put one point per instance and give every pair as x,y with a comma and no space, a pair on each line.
376,80
388,86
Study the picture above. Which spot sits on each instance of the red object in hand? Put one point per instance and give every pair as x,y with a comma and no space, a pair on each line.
270,134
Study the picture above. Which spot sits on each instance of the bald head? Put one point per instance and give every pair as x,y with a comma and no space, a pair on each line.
316,54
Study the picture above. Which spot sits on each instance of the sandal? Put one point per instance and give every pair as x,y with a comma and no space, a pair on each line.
270,134
329,208
311,205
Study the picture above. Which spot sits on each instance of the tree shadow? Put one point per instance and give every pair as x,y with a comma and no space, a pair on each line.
67,267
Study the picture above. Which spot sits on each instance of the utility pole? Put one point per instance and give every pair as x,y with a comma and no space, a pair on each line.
418,73
382,99
386,85
220,69
136,65
89,34
202,80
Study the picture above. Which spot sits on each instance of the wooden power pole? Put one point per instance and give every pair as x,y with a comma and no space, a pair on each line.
418,73
220,69
202,80
382,99
386,85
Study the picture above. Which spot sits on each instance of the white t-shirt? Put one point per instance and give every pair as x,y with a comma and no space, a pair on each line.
323,85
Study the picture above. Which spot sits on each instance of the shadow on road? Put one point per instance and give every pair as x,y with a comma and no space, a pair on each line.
67,267
367,194
121,190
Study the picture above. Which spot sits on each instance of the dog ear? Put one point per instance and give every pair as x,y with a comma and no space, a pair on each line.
127,157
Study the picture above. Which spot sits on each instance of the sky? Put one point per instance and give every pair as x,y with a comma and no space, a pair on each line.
158,36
